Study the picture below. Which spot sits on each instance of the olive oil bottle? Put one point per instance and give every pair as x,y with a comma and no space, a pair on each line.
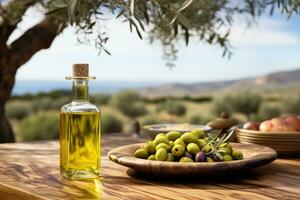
80,131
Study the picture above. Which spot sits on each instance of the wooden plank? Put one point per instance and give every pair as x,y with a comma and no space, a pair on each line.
31,171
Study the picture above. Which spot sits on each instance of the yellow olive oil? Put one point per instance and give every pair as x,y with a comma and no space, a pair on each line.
80,144
80,130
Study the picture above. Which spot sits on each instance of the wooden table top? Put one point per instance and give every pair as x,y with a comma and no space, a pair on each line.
31,171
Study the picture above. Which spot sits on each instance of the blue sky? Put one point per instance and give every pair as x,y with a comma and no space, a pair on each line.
270,45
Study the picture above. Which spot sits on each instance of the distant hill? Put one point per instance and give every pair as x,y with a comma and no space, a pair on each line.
271,81
266,82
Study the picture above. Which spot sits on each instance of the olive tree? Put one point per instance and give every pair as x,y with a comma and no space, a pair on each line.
167,21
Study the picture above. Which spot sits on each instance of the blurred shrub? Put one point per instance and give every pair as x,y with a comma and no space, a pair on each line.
195,119
197,99
47,103
100,99
222,104
40,126
111,124
172,107
129,103
268,111
17,109
148,120
255,117
57,103
208,118
57,94
291,104
243,101
53,94
272,98
246,102
26,96
40,104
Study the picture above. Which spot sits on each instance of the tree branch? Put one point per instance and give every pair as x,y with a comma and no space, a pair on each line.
36,38
11,15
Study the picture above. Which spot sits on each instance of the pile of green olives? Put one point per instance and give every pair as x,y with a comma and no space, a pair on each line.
192,146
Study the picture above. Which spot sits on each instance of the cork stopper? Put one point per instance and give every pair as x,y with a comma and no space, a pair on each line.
80,70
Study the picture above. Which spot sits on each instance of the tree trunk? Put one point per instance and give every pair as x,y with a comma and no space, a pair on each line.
14,56
7,79
6,84
6,131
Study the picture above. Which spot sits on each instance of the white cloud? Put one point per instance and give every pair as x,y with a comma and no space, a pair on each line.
267,32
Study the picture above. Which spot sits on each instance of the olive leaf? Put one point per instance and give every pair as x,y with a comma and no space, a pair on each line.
132,7
219,155
215,142
185,4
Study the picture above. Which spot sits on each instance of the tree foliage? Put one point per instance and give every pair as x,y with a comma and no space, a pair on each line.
168,21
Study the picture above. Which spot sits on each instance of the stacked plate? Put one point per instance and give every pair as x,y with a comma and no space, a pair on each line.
285,143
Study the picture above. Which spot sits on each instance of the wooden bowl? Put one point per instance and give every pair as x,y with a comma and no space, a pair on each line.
254,156
155,129
285,143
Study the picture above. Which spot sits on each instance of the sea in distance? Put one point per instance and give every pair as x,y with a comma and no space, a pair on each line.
35,86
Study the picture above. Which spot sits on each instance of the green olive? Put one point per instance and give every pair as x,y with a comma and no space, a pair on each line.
206,139
162,145
173,135
201,134
151,157
189,138
202,143
229,146
170,157
227,157
179,141
171,144
160,134
194,133
161,139
150,147
237,155
207,148
186,159
209,159
161,154
225,150
193,148
141,153
178,150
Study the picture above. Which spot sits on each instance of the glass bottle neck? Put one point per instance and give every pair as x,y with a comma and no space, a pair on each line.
80,90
